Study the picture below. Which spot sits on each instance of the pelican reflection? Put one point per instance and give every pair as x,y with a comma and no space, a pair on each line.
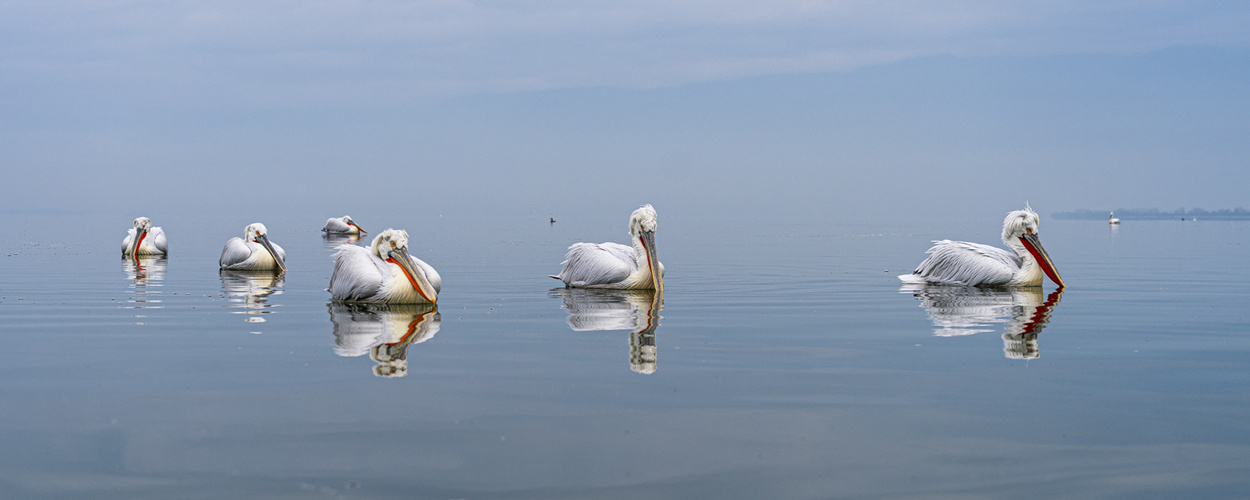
960,310
333,241
385,331
145,274
250,291
603,309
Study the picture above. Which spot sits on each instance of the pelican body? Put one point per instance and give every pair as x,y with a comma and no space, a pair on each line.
1112,220
613,265
383,273
253,252
342,225
974,264
143,239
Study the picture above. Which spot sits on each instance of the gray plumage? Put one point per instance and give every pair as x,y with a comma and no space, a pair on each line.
964,263
597,264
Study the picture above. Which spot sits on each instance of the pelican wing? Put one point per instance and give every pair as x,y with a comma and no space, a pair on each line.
358,274
589,264
158,239
130,236
964,263
336,226
278,250
436,281
235,253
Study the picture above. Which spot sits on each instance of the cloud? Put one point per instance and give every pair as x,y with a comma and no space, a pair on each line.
351,52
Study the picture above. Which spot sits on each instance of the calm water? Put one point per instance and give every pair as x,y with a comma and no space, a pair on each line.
786,362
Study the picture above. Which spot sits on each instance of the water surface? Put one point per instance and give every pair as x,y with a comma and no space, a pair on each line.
785,360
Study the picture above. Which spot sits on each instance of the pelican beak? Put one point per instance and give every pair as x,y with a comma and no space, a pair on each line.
134,246
653,263
358,228
264,241
1035,247
416,276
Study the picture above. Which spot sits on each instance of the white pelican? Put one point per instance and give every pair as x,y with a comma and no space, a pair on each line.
144,239
384,273
253,252
974,264
1112,220
613,265
342,225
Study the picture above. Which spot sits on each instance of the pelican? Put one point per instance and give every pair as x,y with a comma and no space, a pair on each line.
253,252
342,225
1112,220
384,273
144,239
613,265
974,264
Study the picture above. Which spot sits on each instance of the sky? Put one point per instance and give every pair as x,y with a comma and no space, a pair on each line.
704,108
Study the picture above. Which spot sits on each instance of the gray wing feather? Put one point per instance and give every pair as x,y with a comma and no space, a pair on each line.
130,236
430,274
588,264
235,252
964,263
358,274
158,239
278,250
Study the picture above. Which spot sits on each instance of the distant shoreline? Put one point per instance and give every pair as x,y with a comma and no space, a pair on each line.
1156,214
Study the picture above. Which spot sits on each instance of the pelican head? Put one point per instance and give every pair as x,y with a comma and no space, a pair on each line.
142,226
257,232
1021,226
391,246
642,225
347,219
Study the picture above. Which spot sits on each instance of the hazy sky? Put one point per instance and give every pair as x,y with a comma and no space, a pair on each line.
777,108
